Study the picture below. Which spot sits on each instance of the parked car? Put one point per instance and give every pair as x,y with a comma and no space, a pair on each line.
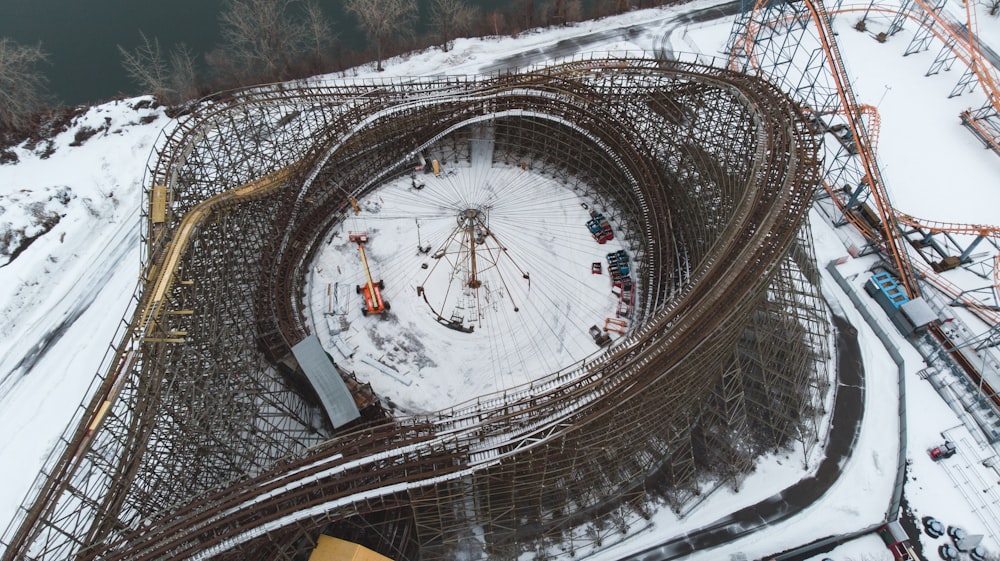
933,527
948,552
956,533
977,553
943,451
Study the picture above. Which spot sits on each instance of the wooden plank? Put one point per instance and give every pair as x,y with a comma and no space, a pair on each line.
158,204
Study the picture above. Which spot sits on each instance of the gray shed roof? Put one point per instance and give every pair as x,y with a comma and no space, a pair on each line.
919,312
319,369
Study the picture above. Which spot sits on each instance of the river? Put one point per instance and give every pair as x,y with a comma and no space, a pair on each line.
81,36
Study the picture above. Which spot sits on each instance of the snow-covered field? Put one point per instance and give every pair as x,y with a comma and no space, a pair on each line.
443,340
62,296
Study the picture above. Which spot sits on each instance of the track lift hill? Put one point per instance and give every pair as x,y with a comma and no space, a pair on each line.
372,290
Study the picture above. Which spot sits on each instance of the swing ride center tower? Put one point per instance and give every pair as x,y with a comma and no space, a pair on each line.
202,437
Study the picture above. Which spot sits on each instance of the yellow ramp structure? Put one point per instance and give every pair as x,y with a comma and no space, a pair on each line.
336,549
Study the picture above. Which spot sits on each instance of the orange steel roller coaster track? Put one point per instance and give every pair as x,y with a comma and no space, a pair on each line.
966,48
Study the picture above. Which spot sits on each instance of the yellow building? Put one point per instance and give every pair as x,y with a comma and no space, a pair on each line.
336,549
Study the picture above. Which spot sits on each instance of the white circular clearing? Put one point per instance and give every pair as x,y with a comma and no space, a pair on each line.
489,281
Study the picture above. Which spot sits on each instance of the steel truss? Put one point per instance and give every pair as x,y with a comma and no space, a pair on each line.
212,445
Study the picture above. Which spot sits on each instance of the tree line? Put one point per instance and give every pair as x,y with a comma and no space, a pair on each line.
277,40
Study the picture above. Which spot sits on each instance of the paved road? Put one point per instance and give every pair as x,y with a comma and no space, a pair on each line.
848,406
846,420
573,45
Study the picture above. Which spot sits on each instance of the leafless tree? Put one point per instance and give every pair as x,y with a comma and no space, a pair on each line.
318,34
183,79
171,78
553,12
574,11
257,36
451,18
527,9
267,38
22,86
384,19
496,23
147,67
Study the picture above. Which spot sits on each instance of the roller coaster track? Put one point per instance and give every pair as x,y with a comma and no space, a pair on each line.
148,318
964,44
388,465
863,140
980,230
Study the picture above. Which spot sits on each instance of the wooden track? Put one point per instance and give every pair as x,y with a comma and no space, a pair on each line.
608,425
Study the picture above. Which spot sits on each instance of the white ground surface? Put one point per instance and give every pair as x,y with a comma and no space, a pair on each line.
61,299
522,328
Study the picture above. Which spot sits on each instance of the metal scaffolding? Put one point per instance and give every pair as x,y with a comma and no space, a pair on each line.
212,444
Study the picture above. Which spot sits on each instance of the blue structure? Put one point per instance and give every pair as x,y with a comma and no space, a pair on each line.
887,291
909,316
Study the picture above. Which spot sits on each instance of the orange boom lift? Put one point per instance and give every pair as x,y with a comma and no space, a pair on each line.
371,289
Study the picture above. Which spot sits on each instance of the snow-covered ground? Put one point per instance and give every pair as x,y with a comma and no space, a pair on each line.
62,296
443,341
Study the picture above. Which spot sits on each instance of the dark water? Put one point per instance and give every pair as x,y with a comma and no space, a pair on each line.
80,36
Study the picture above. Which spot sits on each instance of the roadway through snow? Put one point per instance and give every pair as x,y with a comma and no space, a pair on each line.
846,426
573,45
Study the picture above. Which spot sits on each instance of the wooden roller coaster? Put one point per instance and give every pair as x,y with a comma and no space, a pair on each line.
211,447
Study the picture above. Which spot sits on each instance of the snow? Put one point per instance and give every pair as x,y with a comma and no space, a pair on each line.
62,297
528,225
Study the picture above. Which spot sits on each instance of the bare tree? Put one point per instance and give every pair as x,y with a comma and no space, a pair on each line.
171,78
183,79
384,19
22,87
265,38
318,34
528,12
497,23
553,12
574,11
147,67
451,18
561,12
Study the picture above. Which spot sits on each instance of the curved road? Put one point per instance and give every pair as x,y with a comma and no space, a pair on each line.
573,45
846,420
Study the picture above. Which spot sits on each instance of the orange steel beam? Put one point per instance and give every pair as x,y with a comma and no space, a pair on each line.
982,70
965,47
936,226
853,112
872,174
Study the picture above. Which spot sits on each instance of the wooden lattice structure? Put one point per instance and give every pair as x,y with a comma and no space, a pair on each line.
201,439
